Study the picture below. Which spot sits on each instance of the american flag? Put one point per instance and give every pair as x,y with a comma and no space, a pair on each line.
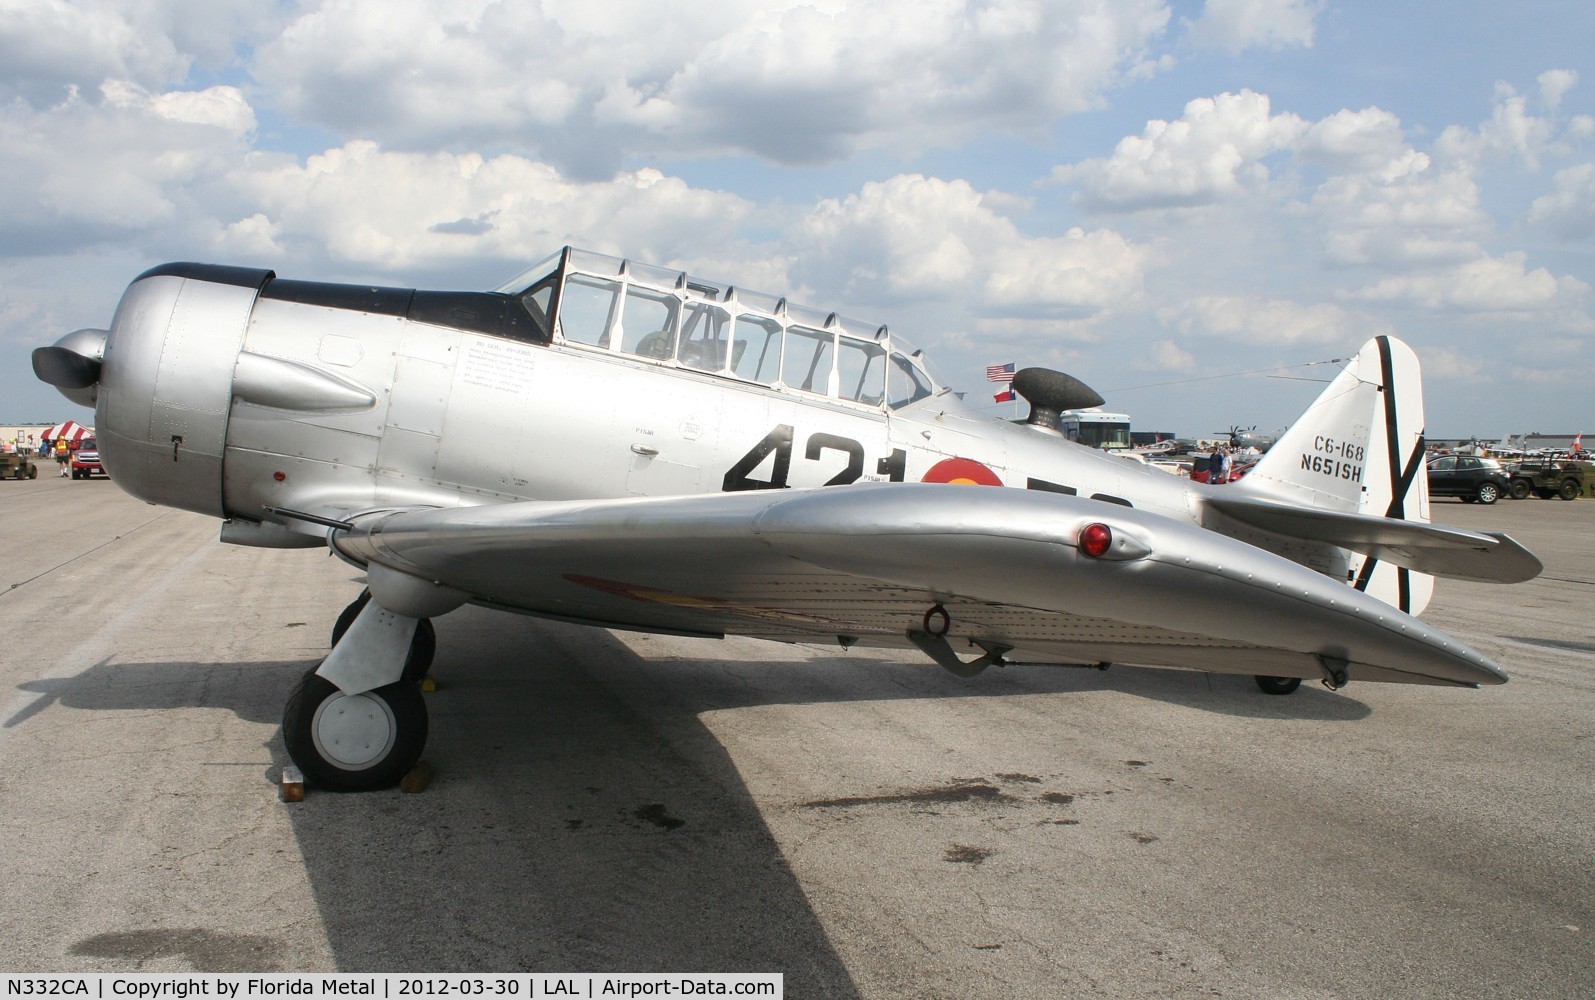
1005,396
999,373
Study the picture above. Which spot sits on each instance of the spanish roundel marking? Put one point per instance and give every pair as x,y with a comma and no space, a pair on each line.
961,472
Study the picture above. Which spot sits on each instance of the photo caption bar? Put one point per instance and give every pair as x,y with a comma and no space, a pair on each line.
393,985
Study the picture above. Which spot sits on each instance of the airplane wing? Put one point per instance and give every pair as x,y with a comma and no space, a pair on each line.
1488,557
878,564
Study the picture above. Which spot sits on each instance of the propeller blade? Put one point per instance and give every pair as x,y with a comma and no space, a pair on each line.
65,369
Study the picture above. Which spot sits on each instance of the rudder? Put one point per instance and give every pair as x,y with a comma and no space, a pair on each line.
1359,449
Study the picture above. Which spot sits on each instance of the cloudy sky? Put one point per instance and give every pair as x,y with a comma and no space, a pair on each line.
1153,196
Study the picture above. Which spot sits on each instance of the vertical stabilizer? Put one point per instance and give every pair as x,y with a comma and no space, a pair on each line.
1359,449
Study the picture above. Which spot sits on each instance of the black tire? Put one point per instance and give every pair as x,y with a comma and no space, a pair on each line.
1519,490
422,649
353,744
1569,490
348,615
33,472
1487,493
1278,685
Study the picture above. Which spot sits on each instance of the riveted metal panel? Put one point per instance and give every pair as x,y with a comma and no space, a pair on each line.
167,387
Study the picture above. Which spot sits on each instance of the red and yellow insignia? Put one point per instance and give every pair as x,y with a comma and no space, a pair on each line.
961,472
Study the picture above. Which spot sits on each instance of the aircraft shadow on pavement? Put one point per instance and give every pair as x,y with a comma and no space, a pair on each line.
588,819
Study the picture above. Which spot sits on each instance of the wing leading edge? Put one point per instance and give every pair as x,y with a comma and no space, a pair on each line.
870,563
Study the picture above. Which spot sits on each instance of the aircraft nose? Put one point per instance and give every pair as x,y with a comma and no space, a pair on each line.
72,364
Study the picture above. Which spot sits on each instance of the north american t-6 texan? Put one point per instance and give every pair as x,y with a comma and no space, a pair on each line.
627,446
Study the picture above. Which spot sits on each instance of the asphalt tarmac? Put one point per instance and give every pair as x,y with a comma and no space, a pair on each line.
869,826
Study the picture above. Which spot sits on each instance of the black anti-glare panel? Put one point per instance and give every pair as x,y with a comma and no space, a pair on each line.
221,274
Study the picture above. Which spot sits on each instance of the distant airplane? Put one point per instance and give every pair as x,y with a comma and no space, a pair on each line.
1167,446
1249,437
627,446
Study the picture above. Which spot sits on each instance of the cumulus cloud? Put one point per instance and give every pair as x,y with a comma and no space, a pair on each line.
222,107
1409,212
48,48
1354,141
395,210
1260,321
1554,85
1237,25
1487,284
583,85
915,238
1569,210
1167,356
1444,364
1213,152
1512,130
127,167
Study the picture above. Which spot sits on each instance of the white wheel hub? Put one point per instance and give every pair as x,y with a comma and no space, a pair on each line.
353,731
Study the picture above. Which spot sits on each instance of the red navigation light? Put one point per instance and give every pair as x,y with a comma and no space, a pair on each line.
1096,540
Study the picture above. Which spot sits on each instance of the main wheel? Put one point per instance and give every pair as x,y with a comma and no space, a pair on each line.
1519,490
1488,493
354,743
1569,490
33,472
1278,685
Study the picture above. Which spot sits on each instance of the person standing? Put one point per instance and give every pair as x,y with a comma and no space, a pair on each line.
1219,466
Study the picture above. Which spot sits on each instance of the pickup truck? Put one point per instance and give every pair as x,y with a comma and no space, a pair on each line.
86,461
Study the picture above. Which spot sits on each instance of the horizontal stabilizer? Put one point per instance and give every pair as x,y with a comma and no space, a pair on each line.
1489,557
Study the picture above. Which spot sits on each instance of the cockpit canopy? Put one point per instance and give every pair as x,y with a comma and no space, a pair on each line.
603,303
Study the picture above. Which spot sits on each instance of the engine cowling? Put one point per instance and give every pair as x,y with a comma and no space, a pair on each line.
166,382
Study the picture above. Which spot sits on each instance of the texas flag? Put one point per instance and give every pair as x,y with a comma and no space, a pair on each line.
1005,396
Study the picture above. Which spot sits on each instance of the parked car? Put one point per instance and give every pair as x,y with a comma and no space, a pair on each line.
86,461
1472,479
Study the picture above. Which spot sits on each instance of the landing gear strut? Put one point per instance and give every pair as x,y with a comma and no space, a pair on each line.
372,738
422,648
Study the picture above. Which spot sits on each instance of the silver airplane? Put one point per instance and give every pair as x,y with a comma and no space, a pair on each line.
1248,437
615,444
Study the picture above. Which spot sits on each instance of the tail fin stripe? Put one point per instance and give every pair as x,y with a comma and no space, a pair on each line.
1387,369
1401,479
1398,501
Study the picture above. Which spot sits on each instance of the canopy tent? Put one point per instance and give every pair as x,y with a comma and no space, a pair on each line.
71,430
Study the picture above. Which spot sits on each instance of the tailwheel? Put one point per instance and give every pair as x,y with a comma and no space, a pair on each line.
354,743
1278,685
